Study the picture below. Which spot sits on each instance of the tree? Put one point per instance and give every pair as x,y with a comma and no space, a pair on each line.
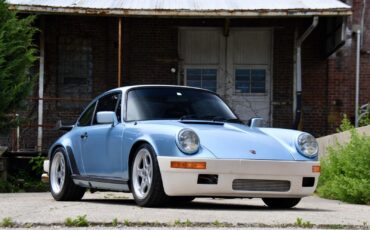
17,55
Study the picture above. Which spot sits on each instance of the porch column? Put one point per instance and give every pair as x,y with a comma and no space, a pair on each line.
119,77
41,86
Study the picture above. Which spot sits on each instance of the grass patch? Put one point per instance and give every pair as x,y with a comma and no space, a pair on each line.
79,221
303,224
7,222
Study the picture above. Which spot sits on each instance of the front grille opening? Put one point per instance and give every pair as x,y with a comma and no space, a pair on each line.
308,181
261,185
207,179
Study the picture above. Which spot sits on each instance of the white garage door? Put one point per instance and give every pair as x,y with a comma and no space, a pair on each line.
237,67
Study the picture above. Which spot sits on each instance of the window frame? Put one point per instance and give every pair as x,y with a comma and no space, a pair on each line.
94,102
119,100
202,67
252,67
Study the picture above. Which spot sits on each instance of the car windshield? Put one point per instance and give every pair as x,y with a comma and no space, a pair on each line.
161,103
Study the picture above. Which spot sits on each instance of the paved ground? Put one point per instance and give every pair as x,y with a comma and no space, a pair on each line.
40,209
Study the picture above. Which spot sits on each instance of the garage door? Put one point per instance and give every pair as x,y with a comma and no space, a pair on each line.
237,67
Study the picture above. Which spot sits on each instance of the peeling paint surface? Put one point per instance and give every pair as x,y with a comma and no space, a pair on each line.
187,7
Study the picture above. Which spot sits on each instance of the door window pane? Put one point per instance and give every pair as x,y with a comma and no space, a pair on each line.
107,103
85,119
202,78
250,80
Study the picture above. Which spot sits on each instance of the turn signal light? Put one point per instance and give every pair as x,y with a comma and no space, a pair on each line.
188,165
316,168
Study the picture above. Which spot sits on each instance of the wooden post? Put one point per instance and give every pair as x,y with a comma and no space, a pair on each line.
119,77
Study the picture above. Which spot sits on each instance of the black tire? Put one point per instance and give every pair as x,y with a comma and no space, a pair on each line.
181,200
281,203
69,191
155,195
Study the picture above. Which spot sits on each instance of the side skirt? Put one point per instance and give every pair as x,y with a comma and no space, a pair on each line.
98,183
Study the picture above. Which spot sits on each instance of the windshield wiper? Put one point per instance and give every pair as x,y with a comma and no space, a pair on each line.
210,118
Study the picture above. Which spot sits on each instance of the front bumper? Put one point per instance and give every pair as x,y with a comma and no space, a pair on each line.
184,182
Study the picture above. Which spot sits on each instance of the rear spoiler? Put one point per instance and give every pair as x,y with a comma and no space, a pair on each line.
60,126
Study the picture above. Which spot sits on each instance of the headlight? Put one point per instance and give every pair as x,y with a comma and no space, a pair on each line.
307,145
188,141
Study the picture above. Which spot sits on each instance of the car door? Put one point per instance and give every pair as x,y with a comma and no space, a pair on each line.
102,143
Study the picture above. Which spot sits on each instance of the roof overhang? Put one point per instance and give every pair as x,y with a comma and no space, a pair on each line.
186,8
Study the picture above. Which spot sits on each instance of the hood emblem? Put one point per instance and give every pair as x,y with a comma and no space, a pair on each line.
252,151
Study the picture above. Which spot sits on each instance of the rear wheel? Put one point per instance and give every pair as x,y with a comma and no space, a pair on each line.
61,184
282,203
146,182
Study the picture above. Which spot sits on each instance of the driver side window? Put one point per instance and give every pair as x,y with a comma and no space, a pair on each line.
109,102
85,119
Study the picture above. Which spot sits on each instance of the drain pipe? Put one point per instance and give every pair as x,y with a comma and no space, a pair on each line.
298,93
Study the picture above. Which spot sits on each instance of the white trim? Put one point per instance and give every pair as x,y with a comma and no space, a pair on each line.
183,182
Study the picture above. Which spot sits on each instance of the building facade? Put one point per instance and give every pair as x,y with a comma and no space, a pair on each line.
250,60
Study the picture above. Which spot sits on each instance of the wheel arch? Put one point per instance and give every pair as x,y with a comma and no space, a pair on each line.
133,149
68,153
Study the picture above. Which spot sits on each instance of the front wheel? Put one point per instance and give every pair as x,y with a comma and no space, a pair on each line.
146,182
282,203
61,183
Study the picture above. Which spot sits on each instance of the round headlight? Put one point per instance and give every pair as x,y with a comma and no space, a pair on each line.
307,145
188,141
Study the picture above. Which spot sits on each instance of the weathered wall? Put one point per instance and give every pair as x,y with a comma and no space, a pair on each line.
150,50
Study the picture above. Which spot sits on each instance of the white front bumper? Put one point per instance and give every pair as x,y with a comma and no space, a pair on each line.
184,182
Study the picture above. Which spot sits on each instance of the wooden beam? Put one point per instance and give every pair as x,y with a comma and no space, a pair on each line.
119,77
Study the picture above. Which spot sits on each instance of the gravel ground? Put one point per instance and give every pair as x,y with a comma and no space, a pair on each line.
41,211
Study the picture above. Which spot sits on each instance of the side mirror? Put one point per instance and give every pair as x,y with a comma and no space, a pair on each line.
255,122
106,117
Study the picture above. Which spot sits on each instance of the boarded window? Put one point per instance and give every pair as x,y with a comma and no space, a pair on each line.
202,78
75,66
250,80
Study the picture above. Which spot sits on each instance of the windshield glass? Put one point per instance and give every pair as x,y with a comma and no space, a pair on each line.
176,103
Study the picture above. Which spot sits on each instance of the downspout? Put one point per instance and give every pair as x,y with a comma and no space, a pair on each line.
298,93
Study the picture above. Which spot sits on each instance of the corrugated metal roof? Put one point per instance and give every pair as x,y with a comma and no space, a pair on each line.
237,8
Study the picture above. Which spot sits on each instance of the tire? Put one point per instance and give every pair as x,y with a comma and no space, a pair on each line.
61,184
181,200
146,182
281,203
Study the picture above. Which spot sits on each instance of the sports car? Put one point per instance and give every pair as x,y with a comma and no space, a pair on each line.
171,144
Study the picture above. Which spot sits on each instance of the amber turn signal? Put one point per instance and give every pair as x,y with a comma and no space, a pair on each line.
316,168
188,165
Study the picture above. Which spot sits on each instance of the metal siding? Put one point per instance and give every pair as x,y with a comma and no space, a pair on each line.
187,7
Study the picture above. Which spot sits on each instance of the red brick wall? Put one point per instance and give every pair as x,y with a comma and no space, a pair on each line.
150,51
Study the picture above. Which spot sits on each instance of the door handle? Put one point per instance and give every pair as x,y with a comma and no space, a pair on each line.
84,135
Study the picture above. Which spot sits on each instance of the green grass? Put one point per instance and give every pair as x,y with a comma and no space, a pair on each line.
7,222
79,221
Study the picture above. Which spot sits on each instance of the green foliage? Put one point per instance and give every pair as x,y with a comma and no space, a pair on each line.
17,55
37,164
7,222
345,171
79,221
115,222
345,125
303,224
22,182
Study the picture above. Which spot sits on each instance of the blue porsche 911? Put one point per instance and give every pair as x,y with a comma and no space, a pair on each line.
170,144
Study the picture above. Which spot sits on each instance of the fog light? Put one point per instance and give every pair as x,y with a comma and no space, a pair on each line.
188,165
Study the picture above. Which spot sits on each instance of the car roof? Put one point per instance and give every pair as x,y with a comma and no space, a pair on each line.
126,88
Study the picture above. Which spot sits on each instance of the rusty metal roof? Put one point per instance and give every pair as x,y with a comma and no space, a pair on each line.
198,8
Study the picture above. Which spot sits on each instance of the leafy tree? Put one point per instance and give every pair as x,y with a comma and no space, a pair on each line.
17,55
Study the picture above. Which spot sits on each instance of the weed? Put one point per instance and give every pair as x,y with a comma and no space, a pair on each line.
79,221
7,222
303,224
126,222
114,222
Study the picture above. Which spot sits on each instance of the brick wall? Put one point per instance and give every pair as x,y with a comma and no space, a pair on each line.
150,50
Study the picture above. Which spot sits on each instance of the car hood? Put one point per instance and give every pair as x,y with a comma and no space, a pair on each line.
232,141
236,141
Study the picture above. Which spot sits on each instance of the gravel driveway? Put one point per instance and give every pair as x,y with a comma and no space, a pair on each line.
39,209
